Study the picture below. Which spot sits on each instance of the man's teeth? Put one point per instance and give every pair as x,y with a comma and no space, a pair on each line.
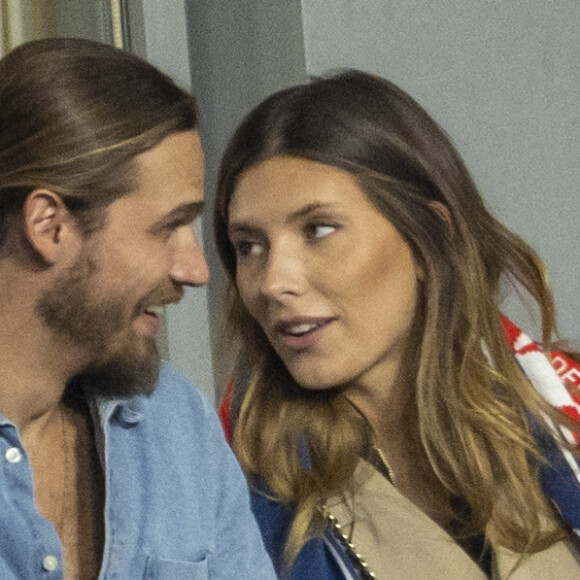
301,328
157,310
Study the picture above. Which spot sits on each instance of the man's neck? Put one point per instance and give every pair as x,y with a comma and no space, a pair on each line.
34,370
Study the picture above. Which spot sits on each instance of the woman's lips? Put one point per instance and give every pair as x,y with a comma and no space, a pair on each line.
300,333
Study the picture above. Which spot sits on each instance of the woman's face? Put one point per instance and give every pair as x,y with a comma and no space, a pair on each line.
329,279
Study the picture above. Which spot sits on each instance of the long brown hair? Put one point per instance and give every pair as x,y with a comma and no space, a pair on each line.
473,403
73,116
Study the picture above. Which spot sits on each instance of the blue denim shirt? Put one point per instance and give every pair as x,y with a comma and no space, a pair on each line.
177,505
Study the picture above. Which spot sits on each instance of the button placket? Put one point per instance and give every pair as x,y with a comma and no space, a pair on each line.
18,478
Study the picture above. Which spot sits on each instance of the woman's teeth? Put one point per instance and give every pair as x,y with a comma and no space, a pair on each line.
299,329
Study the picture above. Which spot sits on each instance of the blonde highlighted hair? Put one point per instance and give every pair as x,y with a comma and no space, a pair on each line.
475,408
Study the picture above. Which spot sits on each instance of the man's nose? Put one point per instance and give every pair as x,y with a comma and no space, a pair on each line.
189,265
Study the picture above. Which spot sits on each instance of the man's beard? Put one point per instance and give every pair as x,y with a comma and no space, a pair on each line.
130,368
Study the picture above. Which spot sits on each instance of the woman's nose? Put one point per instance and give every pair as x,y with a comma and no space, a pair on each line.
283,274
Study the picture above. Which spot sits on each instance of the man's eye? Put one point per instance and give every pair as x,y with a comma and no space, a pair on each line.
168,230
316,231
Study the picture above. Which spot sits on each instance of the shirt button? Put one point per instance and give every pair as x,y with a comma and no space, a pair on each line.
50,563
13,455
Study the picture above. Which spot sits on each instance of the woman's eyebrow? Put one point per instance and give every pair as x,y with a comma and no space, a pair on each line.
242,228
246,227
308,209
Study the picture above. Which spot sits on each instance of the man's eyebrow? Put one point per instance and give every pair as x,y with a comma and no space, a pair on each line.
181,215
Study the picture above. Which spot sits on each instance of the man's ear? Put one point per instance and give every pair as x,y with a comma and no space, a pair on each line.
48,225
441,210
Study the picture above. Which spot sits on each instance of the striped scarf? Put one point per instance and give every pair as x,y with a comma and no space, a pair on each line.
558,381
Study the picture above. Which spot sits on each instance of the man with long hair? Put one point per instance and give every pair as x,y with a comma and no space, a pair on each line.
113,464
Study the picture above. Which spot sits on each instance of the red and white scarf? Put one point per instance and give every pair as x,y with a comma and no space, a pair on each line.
557,380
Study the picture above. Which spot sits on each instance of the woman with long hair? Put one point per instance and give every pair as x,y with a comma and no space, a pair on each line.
394,424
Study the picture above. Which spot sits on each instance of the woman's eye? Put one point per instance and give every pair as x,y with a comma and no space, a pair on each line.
247,248
316,231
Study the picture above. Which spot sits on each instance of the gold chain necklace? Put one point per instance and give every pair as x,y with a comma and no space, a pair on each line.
355,558
384,466
353,554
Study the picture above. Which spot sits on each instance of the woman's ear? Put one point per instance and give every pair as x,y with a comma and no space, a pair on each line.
443,213
48,224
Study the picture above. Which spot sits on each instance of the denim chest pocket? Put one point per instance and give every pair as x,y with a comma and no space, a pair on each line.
164,569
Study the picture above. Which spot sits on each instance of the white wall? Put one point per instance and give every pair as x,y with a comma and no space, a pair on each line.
240,52
503,79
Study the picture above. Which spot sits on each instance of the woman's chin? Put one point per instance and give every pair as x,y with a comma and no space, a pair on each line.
314,380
